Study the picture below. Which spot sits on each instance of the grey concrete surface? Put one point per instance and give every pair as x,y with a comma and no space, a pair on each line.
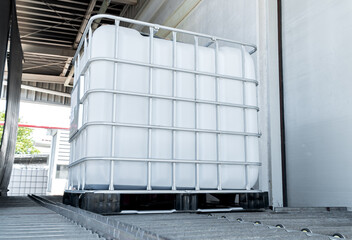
21,218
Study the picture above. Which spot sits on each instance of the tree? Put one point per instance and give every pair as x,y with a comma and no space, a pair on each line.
24,142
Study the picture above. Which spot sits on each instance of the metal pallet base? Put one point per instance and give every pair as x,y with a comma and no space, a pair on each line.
112,203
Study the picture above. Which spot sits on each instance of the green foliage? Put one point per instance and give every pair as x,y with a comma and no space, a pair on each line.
24,143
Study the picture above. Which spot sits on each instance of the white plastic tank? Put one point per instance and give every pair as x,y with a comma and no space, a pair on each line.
186,123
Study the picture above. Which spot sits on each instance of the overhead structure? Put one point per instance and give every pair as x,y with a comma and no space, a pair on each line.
50,31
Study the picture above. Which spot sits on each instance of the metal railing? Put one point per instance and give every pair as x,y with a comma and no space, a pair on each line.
82,65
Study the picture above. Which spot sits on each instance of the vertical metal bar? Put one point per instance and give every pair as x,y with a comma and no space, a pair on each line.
79,177
31,181
76,75
257,104
258,123
78,66
150,105
70,187
90,41
86,46
20,183
86,86
217,113
113,132
281,100
72,178
244,115
196,110
36,181
86,57
174,90
84,175
90,55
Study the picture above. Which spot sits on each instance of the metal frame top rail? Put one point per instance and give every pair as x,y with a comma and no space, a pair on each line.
162,160
156,27
142,64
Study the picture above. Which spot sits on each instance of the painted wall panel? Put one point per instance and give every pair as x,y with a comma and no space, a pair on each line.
317,88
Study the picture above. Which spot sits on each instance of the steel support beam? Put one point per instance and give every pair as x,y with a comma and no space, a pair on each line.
104,6
177,17
130,2
43,90
29,77
67,65
84,22
268,72
149,11
48,50
124,10
69,78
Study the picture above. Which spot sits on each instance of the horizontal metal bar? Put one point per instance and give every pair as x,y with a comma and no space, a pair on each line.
157,27
45,20
159,160
148,212
84,126
211,210
47,39
47,12
42,90
215,75
42,23
47,51
192,100
68,6
45,43
161,191
44,14
31,58
27,30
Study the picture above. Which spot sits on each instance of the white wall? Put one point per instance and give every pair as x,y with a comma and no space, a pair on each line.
318,114
234,19
246,21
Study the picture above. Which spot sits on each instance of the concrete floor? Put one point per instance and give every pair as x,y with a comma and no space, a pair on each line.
22,218
247,225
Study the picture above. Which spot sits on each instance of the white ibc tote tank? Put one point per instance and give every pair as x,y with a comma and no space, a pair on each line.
154,114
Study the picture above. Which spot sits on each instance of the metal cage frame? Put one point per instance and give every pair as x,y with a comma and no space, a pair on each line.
82,65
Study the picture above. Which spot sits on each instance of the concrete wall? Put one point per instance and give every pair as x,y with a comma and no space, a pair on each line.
242,20
318,114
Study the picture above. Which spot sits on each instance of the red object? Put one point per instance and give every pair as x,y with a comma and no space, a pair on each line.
37,126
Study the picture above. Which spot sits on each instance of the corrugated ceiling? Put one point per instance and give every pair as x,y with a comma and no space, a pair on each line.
48,30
